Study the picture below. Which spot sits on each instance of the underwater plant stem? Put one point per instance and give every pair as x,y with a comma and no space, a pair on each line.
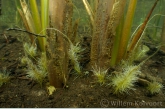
27,18
99,28
44,21
140,31
35,15
61,13
44,14
26,24
37,23
116,44
126,29
89,11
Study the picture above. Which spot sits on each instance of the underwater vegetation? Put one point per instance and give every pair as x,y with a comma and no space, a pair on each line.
112,42
74,57
123,82
154,87
4,77
54,50
100,74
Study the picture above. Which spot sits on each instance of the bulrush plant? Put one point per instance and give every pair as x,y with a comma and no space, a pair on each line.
111,41
60,47
105,23
55,32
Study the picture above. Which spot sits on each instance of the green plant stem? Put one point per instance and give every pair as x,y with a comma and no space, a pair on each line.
44,21
116,43
35,15
44,14
127,29
37,23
